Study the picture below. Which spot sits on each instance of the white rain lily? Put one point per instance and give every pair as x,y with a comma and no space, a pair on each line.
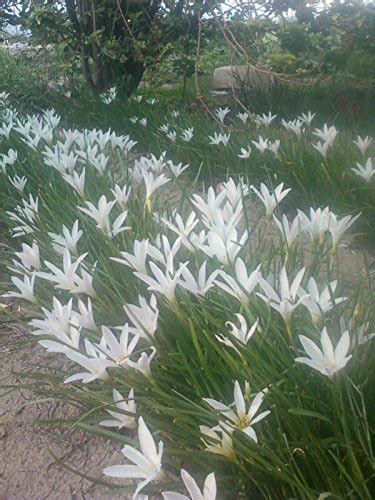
144,317
85,317
366,172
243,334
208,493
363,144
290,232
216,139
224,247
143,363
239,417
327,361
148,461
261,144
234,192
327,134
122,195
25,287
30,256
319,303
181,228
337,228
172,135
65,279
322,147
118,350
126,406
222,113
153,183
243,116
95,363
177,169
220,439
136,261
317,224
211,206
76,181
143,122
245,153
187,134
69,239
274,147
307,117
360,333
163,282
271,200
175,113
283,298
264,119
18,182
243,286
8,159
199,286
100,214
163,252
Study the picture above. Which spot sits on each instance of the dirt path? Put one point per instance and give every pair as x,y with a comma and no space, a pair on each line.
27,469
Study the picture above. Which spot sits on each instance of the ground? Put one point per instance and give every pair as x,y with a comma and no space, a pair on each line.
27,469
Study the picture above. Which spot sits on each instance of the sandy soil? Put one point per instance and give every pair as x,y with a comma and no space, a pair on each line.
27,469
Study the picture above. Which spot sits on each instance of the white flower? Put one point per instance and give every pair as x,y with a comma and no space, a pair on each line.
270,200
241,418
222,113
264,119
177,169
209,208
220,445
245,153
225,247
283,298
187,134
96,365
307,118
136,261
328,361
126,405
153,183
244,284
85,317
322,148
143,122
209,489
327,134
363,144
172,135
29,257
25,287
289,232
100,214
69,239
337,228
143,363
118,350
319,303
198,286
18,182
274,147
148,462
261,145
65,279
216,139
163,282
144,317
76,181
366,172
317,224
182,229
243,116
122,195
242,334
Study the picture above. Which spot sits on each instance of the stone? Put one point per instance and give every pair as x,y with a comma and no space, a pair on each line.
227,77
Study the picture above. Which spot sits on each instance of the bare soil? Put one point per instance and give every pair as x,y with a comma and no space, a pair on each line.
27,468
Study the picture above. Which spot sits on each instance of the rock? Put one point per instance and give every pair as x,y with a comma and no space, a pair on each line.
229,76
